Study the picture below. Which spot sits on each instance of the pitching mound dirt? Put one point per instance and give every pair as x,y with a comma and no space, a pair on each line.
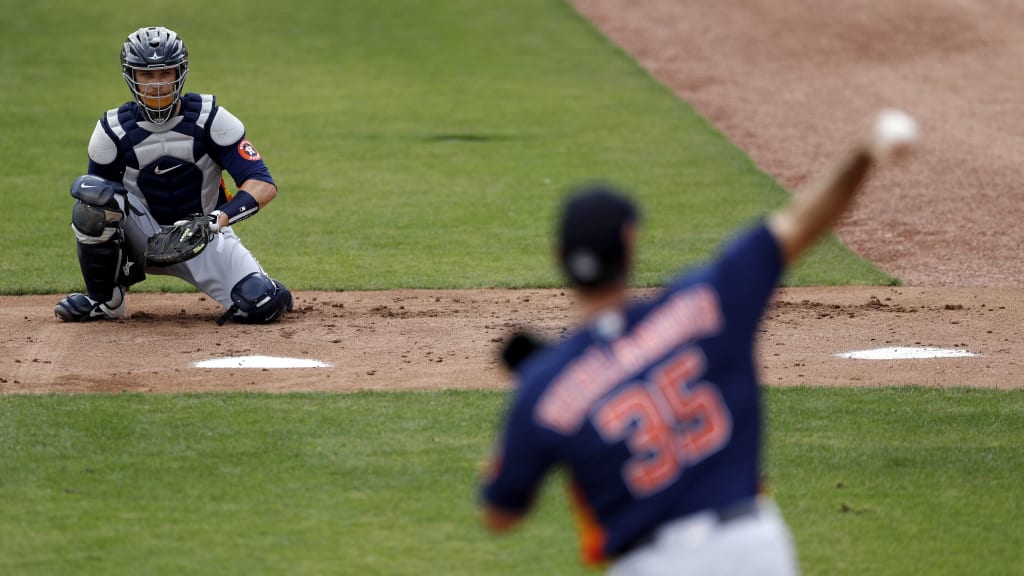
421,340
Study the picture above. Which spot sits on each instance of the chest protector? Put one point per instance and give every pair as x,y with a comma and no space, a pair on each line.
170,169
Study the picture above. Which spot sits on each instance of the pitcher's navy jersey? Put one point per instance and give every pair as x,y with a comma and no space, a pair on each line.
175,169
655,420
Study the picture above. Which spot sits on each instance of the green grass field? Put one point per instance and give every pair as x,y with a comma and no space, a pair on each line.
425,144
895,481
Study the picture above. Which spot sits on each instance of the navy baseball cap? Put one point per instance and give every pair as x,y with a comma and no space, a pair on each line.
591,242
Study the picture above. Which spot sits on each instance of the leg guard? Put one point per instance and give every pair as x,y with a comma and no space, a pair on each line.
257,299
97,221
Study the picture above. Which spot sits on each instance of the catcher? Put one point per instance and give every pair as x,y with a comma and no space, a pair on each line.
154,200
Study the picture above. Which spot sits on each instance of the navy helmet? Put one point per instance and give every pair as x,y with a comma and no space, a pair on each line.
592,242
155,48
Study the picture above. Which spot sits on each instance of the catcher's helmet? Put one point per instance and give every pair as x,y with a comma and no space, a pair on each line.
155,48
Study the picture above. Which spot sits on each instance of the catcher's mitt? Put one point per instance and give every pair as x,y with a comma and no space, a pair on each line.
179,242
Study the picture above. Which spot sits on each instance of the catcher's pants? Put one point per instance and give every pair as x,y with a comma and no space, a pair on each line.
214,271
757,542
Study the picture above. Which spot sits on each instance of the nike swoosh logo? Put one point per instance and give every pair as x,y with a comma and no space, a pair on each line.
87,186
165,171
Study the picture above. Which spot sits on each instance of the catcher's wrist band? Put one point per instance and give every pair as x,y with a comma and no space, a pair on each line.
240,207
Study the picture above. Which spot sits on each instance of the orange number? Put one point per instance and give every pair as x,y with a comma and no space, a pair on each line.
633,415
698,408
668,424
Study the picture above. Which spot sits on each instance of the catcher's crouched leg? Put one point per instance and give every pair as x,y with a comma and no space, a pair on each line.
257,299
107,267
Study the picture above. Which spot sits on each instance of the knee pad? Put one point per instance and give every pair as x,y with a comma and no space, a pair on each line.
96,216
257,299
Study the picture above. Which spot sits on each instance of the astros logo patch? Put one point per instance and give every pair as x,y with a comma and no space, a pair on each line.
248,151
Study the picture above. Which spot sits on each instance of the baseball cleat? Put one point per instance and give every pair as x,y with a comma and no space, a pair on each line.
80,308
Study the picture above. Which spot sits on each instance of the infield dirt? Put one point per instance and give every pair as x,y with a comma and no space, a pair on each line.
789,83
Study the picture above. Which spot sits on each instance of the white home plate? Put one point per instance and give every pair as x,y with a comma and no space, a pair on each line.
905,353
261,362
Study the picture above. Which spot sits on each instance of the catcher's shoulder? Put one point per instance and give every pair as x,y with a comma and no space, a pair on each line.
224,128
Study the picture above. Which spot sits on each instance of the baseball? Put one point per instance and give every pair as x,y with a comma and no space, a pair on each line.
894,132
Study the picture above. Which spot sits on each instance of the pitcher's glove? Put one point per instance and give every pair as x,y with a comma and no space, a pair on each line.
520,346
181,241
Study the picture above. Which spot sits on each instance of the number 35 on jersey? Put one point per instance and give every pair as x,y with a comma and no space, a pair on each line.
668,423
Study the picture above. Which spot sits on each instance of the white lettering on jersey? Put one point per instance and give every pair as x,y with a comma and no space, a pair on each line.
685,316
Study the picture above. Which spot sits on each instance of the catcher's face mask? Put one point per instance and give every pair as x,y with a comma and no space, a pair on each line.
157,90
